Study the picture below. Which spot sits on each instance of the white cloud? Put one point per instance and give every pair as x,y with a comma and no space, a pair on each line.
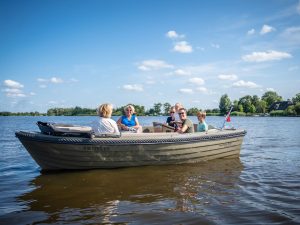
56,80
270,89
42,86
196,80
42,80
173,35
266,29
148,65
246,84
251,32
12,84
215,45
266,56
133,87
202,90
182,72
183,47
228,77
14,89
14,92
185,91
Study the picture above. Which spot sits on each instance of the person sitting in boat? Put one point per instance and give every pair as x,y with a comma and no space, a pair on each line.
202,125
177,107
171,119
187,124
105,125
129,121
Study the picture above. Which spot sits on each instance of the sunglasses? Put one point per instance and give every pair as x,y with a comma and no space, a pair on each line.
129,110
172,112
181,113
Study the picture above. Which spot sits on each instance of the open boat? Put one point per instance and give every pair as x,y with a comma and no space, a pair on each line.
71,147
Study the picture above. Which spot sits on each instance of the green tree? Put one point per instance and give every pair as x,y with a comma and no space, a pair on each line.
224,104
241,108
167,107
261,107
215,110
157,108
139,109
255,101
235,105
296,99
290,111
252,109
270,97
246,102
192,111
297,108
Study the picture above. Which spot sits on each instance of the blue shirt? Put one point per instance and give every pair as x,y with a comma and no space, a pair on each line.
202,127
128,123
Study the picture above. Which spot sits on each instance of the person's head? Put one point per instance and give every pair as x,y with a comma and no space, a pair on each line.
201,115
182,113
172,111
129,110
178,106
105,110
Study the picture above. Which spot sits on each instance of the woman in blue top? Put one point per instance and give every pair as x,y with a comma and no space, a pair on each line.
129,121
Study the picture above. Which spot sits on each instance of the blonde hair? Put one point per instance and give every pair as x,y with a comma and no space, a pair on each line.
201,114
172,109
105,110
129,107
178,106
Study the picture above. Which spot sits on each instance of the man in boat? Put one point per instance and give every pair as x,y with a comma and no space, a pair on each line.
187,124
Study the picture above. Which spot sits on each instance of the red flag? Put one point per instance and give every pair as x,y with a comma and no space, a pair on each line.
228,118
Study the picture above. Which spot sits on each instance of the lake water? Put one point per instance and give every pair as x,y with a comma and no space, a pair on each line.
261,187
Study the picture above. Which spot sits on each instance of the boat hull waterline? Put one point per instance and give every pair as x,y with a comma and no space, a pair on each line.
57,153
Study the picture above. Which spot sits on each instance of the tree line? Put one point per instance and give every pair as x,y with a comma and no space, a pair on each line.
247,105
250,105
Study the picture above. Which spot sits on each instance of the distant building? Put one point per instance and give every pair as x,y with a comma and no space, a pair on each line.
280,105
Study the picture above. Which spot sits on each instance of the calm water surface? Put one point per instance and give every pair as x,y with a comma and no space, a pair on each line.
261,187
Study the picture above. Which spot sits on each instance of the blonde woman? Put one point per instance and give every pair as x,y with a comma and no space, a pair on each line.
105,125
129,121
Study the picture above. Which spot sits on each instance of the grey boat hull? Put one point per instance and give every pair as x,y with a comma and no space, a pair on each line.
57,153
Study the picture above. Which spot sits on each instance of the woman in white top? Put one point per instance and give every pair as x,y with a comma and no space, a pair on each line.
105,125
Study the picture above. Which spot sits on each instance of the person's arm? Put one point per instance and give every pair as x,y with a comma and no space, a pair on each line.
115,126
183,129
121,125
137,124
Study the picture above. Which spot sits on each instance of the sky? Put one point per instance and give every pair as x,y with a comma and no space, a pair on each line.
67,53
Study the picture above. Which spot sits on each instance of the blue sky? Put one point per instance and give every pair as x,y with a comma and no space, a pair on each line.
83,53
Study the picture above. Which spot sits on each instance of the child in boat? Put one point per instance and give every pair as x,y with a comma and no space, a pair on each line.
171,119
202,126
105,125
129,121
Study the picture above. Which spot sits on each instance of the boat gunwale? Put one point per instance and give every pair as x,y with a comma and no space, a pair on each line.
181,138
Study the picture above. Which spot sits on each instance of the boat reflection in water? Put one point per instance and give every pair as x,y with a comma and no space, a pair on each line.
177,193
